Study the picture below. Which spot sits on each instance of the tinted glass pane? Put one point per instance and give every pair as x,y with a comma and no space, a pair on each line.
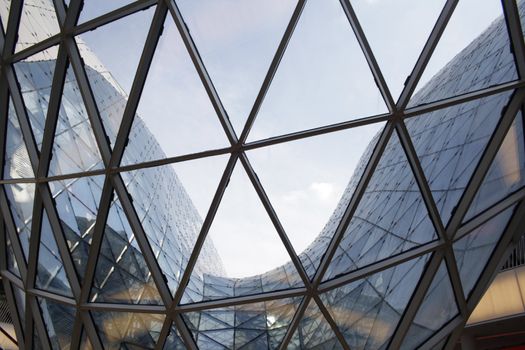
121,274
75,148
250,326
50,275
35,76
438,307
391,217
473,250
17,163
77,203
12,265
367,311
507,172
450,142
4,13
59,320
20,197
121,330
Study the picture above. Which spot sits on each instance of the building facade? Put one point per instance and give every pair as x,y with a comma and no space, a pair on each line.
99,255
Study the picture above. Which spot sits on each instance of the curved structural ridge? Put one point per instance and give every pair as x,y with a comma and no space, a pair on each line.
103,246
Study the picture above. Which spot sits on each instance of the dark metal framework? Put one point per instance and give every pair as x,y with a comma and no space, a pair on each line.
69,56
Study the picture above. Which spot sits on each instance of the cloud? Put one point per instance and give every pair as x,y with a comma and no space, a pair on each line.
323,190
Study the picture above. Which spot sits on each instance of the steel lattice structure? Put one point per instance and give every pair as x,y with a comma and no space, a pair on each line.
450,211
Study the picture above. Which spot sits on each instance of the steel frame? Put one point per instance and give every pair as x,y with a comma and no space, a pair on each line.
69,56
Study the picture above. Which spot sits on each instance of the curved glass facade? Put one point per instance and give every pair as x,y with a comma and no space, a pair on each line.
102,242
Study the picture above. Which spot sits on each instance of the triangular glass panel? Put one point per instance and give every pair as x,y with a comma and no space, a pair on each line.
249,326
172,207
75,148
391,217
110,76
77,208
470,55
323,77
20,303
121,274
21,197
59,320
438,307
35,76
506,173
174,340
12,264
311,193
389,28
96,8
17,163
85,343
367,311
4,13
223,268
126,330
175,115
314,331
450,142
237,41
50,274
474,250
37,23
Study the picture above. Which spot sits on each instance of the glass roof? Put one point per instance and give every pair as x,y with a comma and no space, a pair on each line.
224,174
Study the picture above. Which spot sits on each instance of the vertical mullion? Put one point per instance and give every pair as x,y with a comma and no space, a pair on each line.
13,309
331,322
298,316
11,231
425,55
13,22
455,280
369,55
164,333
184,332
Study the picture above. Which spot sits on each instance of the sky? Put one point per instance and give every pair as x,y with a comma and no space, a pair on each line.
322,79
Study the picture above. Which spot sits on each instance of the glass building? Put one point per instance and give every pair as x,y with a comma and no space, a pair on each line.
105,244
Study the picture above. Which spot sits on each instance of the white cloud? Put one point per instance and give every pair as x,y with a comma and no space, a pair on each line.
323,190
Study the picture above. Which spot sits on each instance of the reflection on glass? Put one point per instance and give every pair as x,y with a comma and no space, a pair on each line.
50,275
389,28
37,23
450,142
122,330
305,192
77,207
367,311
12,265
249,326
438,307
391,217
17,163
314,332
75,148
5,6
122,275
507,172
323,77
35,76
474,250
473,53
174,341
21,197
175,114
59,320
237,41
